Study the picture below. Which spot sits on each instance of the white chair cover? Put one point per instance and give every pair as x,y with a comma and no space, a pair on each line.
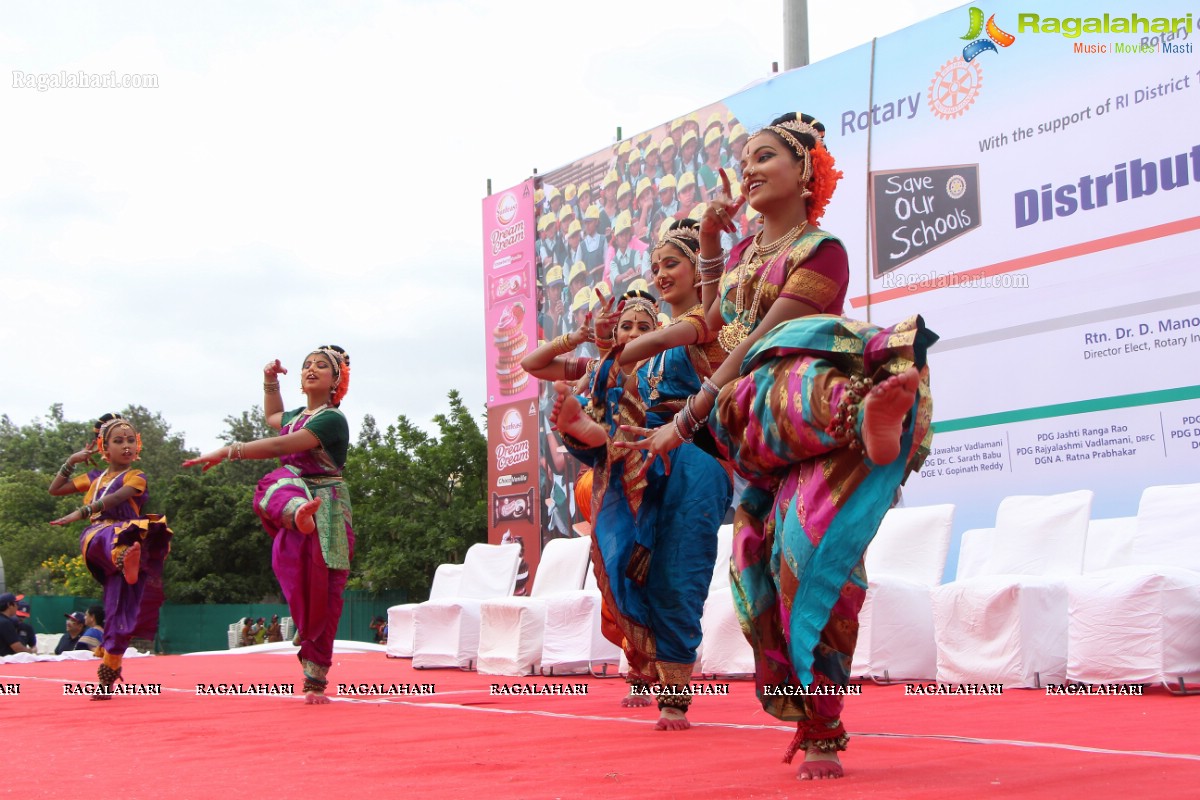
1009,626
572,640
905,560
974,550
446,580
1141,622
446,631
724,649
511,632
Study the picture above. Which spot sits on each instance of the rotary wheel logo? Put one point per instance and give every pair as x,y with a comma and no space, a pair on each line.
956,187
954,88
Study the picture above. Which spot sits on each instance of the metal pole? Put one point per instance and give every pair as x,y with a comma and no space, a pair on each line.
795,34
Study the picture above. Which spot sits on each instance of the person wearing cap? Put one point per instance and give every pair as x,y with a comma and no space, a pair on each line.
583,198
547,227
625,200
577,279
550,318
554,199
653,167
70,639
636,168
566,215
26,631
668,160
714,158
668,197
595,243
608,201
559,247
643,209
10,634
574,241
581,307
689,152
687,193
737,141
677,130
625,258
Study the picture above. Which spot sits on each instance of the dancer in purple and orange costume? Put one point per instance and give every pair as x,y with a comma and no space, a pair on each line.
124,549
304,505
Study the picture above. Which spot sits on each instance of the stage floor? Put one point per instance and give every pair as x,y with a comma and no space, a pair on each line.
462,741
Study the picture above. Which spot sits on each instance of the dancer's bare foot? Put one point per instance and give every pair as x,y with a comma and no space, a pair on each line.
316,699
672,719
884,410
130,561
635,700
568,417
304,516
819,766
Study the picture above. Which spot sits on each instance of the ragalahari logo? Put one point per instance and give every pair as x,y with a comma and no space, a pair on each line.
958,83
995,36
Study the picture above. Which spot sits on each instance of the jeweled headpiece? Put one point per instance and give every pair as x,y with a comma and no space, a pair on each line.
785,131
678,238
109,423
649,307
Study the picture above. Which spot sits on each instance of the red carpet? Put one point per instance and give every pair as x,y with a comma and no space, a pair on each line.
464,743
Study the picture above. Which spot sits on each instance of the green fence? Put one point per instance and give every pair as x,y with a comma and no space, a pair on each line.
194,628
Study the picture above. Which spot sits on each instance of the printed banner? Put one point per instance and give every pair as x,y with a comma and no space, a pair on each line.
1028,182
513,483
510,291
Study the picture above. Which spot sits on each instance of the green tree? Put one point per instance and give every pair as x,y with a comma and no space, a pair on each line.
419,500
221,554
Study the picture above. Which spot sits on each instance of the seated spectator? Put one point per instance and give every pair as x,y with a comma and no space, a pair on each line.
274,632
24,629
70,639
10,636
260,631
93,633
247,632
379,625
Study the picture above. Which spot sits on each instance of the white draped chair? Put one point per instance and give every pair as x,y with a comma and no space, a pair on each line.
446,631
724,649
446,580
512,629
904,562
1009,625
1140,623
572,640
974,550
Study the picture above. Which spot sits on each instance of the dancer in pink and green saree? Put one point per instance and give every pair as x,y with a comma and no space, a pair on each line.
824,416
304,504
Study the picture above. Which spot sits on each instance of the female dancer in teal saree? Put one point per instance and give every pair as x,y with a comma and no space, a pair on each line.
825,417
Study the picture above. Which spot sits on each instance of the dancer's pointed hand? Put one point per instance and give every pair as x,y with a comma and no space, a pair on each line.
722,209
655,442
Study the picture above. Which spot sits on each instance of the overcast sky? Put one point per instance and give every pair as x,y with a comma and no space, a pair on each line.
311,173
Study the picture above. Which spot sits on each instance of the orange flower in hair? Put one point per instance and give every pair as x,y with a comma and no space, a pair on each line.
825,178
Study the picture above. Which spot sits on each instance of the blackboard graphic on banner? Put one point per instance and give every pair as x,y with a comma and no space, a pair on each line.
914,211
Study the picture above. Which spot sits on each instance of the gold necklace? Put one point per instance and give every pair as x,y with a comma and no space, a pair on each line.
756,262
655,379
